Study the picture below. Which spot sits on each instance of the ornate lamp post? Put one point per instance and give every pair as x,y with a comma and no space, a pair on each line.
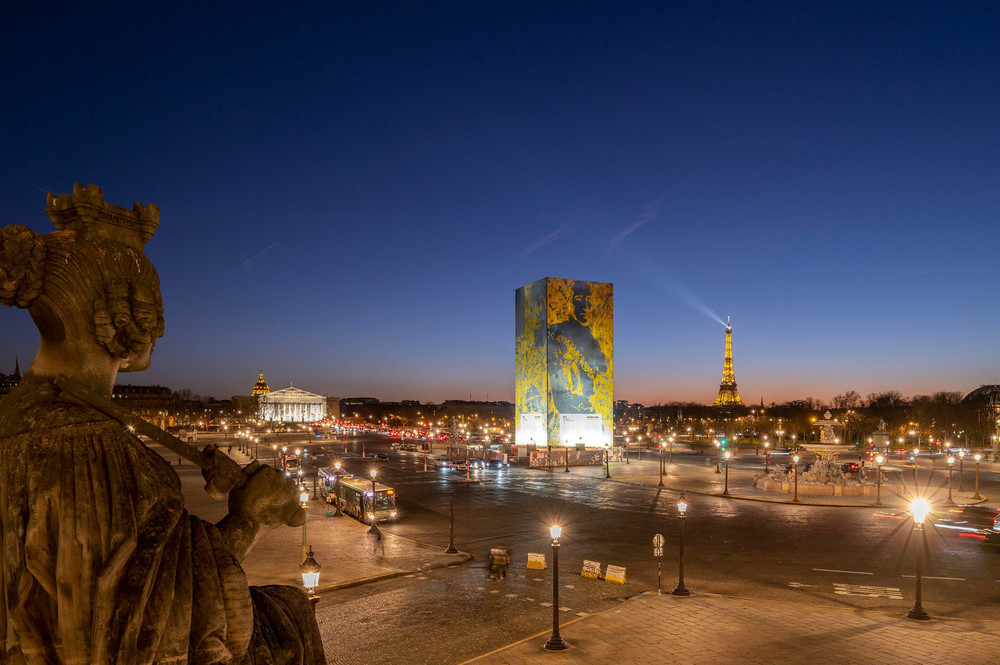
767,454
680,589
951,467
607,460
451,549
274,447
374,528
961,459
662,445
555,641
309,569
718,455
795,461
304,502
977,496
725,492
919,508
878,479
626,450
916,452
336,490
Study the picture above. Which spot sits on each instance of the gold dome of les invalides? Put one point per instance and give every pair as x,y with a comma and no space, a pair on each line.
260,388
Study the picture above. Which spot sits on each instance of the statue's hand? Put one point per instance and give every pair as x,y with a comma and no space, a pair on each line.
224,474
267,498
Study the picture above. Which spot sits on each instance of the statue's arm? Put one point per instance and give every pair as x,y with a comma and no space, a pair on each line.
267,500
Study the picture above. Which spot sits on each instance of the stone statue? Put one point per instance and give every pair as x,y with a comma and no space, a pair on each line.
101,561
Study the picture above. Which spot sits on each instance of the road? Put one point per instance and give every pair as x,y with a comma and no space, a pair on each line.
853,557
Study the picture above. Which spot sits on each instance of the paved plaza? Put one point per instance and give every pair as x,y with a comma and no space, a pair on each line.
649,628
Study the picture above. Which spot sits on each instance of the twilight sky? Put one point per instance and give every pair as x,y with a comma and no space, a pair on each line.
351,192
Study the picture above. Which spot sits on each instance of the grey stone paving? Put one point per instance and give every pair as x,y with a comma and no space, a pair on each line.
715,629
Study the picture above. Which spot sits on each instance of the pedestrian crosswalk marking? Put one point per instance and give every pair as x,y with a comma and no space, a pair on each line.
867,591
800,585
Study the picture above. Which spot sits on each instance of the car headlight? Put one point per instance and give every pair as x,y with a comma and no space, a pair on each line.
393,513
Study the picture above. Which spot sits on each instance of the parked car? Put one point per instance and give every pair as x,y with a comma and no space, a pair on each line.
381,457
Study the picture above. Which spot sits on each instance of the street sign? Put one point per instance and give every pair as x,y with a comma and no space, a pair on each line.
658,540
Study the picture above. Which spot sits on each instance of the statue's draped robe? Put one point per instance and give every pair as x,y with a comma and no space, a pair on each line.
102,563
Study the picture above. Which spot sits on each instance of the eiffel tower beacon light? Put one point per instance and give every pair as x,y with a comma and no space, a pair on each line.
728,394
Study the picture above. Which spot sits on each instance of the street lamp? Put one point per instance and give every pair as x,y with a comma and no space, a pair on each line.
878,479
304,502
725,492
951,467
718,451
555,641
662,446
374,527
767,454
680,589
795,461
607,460
336,490
977,496
919,508
961,459
309,569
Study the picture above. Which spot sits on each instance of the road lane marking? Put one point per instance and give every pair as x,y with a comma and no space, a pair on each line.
565,609
545,604
842,589
930,577
494,591
846,572
511,595
800,585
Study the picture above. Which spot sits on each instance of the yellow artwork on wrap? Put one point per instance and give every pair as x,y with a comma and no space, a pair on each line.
564,362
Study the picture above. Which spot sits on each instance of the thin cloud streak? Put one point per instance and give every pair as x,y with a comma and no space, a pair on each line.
555,235
649,212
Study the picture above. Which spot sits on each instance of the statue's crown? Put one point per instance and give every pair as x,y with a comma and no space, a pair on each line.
86,211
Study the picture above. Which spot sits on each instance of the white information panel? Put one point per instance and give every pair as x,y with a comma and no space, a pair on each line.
531,430
587,428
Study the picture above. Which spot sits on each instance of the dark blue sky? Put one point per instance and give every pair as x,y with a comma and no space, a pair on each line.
350,193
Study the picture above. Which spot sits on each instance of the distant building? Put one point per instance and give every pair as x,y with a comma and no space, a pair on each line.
152,403
9,381
291,405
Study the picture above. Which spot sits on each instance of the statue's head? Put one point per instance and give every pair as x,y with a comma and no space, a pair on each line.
90,280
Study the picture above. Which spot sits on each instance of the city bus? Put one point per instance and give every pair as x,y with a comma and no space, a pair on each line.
356,497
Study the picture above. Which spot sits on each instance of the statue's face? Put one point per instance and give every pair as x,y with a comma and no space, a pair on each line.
139,359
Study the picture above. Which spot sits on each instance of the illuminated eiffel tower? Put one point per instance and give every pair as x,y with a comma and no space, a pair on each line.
728,394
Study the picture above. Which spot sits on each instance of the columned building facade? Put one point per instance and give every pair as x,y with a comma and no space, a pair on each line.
291,405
